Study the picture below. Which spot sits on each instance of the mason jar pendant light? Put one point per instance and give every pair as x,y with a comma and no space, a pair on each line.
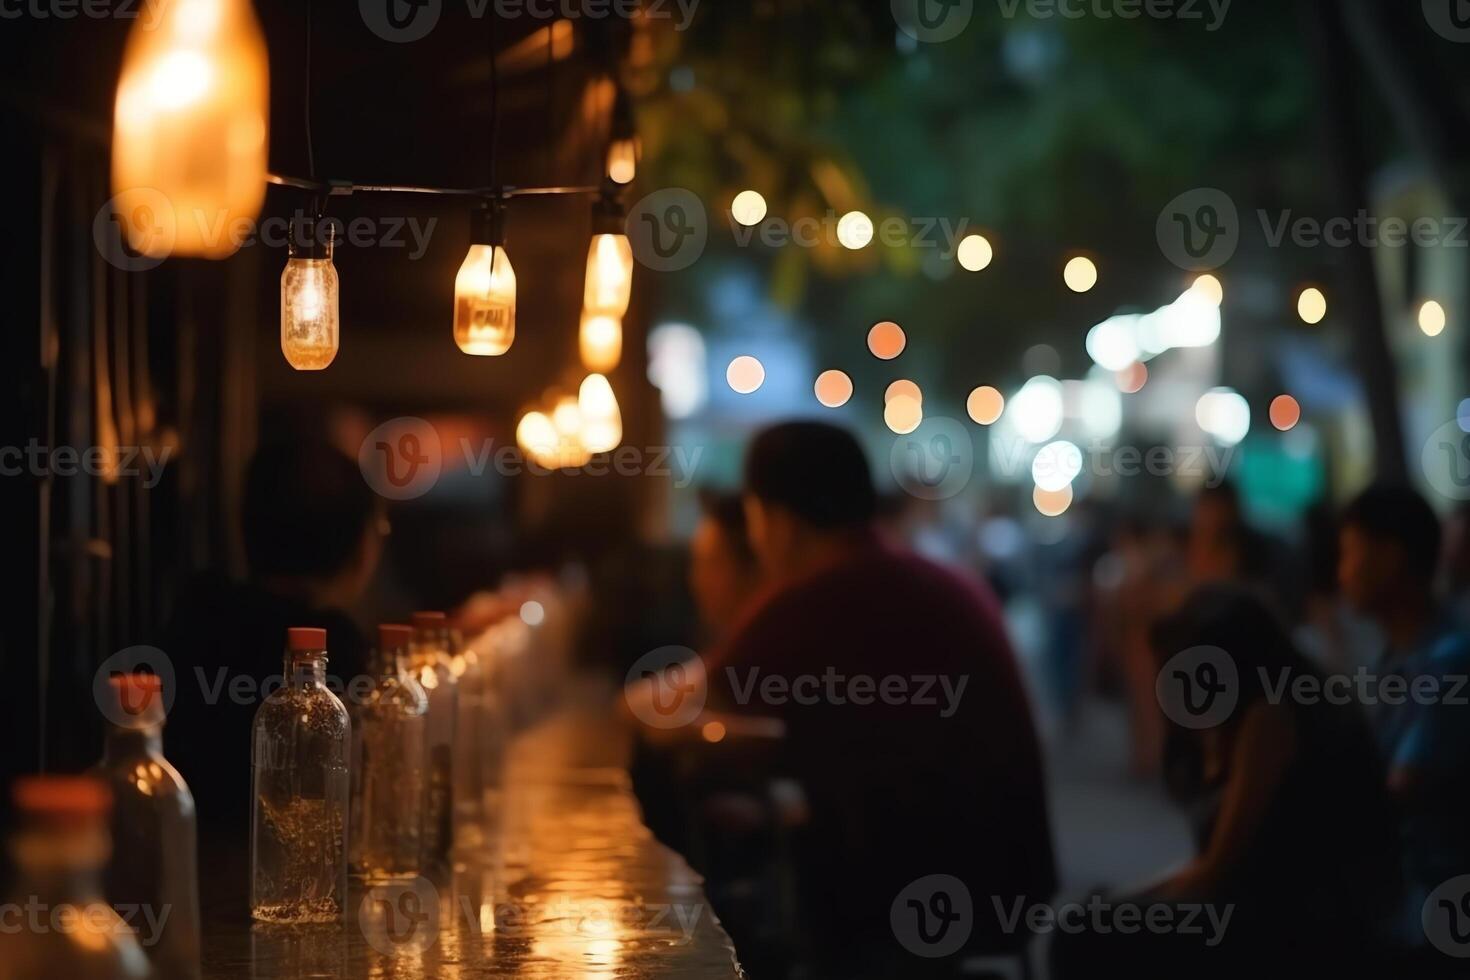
485,288
309,293
189,128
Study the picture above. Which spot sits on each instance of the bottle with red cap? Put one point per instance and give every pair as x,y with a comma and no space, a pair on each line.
153,860
300,747
431,665
388,757
57,923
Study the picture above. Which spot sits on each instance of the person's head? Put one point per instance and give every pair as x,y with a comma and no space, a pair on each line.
1237,620
807,487
722,568
1389,541
310,523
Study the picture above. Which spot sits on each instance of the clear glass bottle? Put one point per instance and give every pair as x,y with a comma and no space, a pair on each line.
299,760
154,854
388,755
60,925
432,667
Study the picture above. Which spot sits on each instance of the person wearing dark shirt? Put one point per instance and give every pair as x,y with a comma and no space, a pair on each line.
1295,866
907,725
1389,553
312,535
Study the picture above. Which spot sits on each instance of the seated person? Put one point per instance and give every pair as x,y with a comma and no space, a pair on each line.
312,535
906,722
1295,827
1390,544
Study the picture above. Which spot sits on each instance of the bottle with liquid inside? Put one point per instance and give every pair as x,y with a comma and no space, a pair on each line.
300,748
60,925
153,865
388,757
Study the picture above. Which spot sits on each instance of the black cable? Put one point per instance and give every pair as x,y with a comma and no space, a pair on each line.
310,154
494,91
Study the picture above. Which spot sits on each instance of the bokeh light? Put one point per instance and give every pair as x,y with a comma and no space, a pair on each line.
745,374
903,414
1285,412
1224,414
1035,412
834,388
974,253
713,731
854,230
903,386
1210,288
532,613
1056,466
1132,378
1311,305
1080,275
886,340
1052,503
985,405
1432,319
1462,415
748,208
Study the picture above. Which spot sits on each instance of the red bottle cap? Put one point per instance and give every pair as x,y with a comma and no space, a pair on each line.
428,620
140,695
391,636
303,638
64,797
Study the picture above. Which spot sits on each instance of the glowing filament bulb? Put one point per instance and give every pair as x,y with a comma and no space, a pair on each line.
189,128
602,422
600,339
609,275
309,298
485,291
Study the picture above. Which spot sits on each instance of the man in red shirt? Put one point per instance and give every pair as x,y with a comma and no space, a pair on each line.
907,724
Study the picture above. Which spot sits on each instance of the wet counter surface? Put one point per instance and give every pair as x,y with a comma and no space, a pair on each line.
570,884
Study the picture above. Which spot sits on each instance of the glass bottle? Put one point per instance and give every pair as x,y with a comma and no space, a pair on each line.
298,827
388,754
59,924
154,854
431,666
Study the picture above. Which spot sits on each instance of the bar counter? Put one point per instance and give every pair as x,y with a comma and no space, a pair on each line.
569,884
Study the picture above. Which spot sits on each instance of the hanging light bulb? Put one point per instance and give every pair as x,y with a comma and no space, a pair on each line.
189,128
600,339
571,427
485,288
309,308
609,262
602,422
622,147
